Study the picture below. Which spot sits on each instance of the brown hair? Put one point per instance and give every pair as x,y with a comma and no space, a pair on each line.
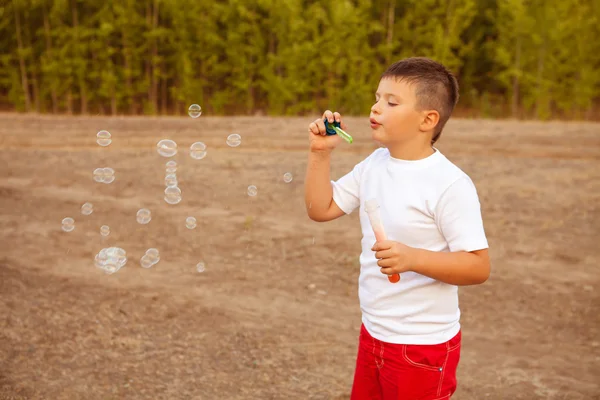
436,87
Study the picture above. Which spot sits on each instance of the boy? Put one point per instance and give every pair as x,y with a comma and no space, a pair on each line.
410,338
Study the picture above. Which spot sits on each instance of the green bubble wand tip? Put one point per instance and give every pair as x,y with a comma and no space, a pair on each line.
343,134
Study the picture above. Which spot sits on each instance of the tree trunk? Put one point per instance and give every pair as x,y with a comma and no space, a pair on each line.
390,29
34,68
50,57
22,66
70,100
539,81
163,91
127,61
113,102
80,74
155,68
517,72
148,61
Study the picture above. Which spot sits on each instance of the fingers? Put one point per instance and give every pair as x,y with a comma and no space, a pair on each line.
387,271
321,125
384,254
386,262
329,115
382,245
318,126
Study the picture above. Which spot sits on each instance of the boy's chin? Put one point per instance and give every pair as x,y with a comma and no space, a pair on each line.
378,136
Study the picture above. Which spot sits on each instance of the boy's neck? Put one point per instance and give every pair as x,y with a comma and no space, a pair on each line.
411,151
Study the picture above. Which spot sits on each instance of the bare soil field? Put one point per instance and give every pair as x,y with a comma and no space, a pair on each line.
275,315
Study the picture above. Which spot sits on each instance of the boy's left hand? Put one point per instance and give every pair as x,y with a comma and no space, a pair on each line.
393,257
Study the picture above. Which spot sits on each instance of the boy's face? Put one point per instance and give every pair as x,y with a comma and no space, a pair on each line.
394,116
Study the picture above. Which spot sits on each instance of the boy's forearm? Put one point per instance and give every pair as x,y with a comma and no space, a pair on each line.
318,192
455,268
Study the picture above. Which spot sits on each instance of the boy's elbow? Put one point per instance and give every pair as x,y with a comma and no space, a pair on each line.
316,217
484,275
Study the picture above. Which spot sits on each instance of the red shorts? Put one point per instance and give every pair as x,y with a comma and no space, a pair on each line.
386,371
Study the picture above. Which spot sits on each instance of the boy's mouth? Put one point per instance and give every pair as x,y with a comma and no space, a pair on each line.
374,123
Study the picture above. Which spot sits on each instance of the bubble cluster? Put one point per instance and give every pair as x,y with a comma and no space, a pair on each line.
153,254
171,180
143,216
111,259
200,267
68,224
87,208
252,191
198,150
234,140
190,222
166,148
103,138
105,230
195,111
172,195
171,167
287,177
150,258
104,175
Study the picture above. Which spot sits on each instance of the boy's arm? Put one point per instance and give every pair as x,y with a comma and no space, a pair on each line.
455,268
467,262
318,192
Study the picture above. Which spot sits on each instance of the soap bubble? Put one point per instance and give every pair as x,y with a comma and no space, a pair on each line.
200,267
287,177
87,208
252,190
105,230
198,150
143,216
171,167
190,222
171,180
111,259
99,175
172,195
104,175
153,255
195,111
103,138
109,175
234,140
166,148
146,262
68,224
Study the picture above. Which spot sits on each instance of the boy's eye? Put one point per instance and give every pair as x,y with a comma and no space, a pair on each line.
392,104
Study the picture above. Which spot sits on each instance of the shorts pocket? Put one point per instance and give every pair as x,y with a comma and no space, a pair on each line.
428,357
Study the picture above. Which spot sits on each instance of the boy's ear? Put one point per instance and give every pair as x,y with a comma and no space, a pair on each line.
430,120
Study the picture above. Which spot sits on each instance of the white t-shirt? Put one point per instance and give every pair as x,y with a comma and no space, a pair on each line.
429,204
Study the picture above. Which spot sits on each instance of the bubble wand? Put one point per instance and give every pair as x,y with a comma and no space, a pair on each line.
335,128
372,210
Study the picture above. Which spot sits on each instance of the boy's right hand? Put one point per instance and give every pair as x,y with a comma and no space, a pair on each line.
319,140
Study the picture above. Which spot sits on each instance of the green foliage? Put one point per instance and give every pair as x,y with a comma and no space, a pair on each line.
526,58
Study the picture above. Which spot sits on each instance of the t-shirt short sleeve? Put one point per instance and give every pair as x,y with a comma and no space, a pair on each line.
346,190
458,215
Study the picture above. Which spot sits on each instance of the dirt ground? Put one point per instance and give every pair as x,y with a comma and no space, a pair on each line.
275,315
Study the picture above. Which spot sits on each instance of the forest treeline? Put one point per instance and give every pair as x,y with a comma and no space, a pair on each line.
519,58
